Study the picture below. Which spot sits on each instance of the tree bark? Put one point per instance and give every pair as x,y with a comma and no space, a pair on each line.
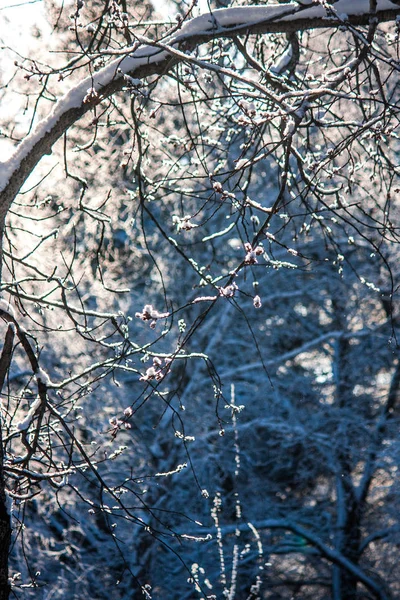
5,522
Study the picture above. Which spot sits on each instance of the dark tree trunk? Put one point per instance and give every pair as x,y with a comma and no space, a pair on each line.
351,550
5,523
5,538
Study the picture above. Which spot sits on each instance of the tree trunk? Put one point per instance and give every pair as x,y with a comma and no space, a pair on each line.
5,538
348,507
5,522
351,550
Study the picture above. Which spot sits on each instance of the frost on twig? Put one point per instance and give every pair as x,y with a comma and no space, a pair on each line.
26,422
42,376
7,308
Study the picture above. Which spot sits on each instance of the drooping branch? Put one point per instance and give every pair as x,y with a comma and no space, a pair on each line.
141,61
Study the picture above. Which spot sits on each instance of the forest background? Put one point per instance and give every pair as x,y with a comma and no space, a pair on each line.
199,300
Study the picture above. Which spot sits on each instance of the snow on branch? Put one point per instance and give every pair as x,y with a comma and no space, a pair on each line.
145,60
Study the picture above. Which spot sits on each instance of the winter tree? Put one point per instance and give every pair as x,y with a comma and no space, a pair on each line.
199,301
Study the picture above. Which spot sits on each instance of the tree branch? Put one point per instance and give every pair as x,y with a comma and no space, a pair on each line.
325,551
143,61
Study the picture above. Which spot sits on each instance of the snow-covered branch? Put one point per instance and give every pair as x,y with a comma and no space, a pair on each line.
145,60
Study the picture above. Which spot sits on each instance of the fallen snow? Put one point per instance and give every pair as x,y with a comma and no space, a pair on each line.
7,308
250,15
145,55
25,423
42,376
283,61
342,8
229,17
74,99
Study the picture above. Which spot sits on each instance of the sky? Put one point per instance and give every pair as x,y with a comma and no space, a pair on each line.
17,17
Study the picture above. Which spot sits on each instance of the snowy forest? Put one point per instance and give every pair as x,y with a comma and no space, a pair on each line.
200,318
